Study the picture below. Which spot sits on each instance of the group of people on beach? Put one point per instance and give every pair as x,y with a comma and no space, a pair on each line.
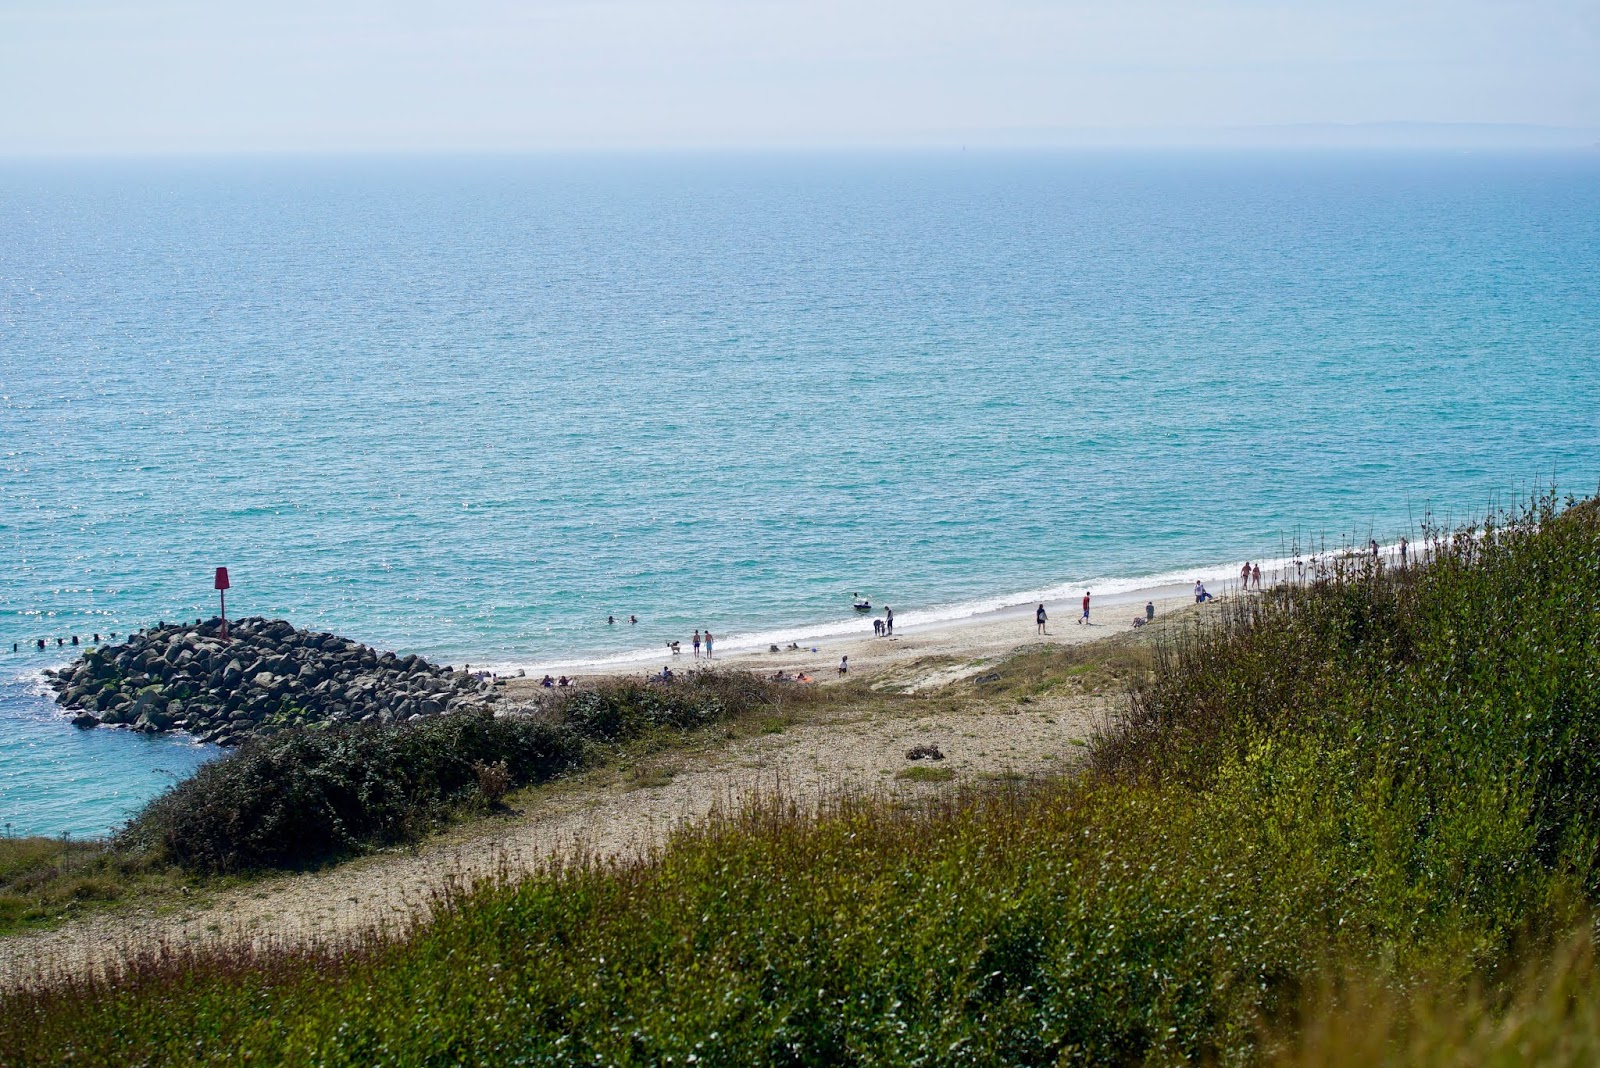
884,627
1250,575
708,640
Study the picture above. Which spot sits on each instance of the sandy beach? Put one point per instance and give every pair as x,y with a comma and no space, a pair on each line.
968,642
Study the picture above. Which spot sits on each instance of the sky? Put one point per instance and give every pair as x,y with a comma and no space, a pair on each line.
89,76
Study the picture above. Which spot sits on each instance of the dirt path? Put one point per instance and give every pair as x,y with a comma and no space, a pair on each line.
606,813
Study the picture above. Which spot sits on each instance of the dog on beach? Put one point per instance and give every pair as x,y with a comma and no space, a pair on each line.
675,647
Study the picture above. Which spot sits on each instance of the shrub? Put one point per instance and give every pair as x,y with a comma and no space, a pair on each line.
494,780
306,795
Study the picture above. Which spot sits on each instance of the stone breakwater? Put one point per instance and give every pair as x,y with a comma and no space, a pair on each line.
264,677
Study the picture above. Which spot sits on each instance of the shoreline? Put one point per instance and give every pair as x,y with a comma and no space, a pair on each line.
931,624
954,628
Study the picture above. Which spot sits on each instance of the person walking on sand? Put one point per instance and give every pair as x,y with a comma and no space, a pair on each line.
1039,619
1244,576
1255,574
888,621
708,645
1085,617
696,642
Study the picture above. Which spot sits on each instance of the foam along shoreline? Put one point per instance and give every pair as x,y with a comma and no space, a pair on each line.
968,628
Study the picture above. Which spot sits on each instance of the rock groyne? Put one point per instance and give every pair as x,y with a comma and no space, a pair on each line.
265,676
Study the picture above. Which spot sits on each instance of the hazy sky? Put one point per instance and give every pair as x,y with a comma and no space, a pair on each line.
81,75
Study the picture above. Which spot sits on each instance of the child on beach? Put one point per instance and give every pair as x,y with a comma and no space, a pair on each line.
844,665
1039,619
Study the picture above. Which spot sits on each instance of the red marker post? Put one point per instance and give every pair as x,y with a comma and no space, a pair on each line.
222,592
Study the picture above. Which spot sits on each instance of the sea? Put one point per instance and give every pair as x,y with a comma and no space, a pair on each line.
473,407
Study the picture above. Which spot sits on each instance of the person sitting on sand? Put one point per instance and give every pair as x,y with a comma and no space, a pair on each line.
1039,620
563,682
547,682
666,674
803,677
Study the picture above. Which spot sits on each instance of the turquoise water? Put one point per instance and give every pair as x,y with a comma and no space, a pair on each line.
469,408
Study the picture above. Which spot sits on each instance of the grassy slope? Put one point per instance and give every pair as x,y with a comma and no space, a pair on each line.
1386,779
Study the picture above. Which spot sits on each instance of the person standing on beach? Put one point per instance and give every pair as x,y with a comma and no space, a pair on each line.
1244,576
1403,545
888,621
1085,617
696,642
1255,573
708,644
1149,611
844,665
1039,619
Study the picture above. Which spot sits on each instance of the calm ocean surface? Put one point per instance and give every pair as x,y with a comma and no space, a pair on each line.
469,408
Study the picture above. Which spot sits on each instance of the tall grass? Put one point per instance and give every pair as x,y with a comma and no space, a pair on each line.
1382,775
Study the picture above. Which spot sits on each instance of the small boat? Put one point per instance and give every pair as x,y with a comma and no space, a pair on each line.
863,606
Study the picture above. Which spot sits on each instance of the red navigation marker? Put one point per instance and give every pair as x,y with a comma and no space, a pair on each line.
221,585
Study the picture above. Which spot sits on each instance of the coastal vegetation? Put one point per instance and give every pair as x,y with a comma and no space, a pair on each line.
306,796
1349,820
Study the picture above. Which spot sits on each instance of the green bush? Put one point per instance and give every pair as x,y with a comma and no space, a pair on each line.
307,795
